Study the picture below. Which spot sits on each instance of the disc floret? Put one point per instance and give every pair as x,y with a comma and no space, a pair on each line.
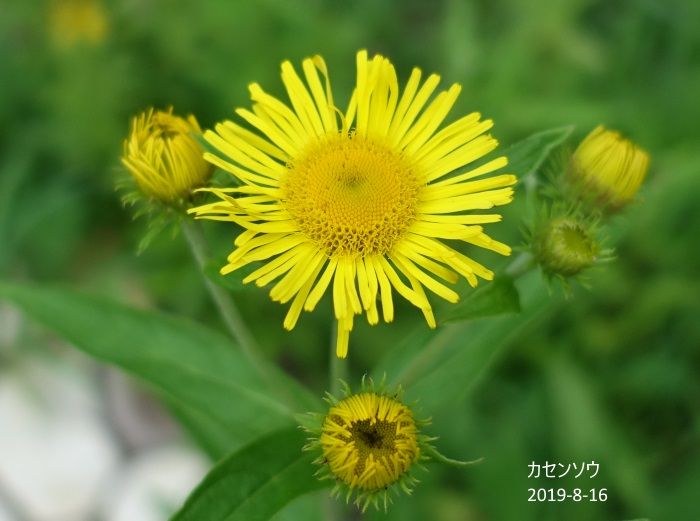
353,196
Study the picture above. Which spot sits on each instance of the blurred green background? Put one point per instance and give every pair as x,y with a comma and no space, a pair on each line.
612,375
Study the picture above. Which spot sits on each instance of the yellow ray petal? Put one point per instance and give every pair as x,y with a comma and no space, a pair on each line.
292,316
301,100
321,286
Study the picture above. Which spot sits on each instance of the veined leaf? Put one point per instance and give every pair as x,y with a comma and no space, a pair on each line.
255,482
207,433
423,346
439,366
463,352
528,155
189,364
525,159
495,298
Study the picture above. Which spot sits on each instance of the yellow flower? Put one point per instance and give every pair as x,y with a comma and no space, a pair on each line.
359,200
610,168
74,21
163,156
369,443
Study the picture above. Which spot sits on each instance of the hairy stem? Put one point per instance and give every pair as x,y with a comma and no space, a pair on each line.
229,312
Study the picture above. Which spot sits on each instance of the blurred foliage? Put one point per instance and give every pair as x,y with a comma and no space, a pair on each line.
611,375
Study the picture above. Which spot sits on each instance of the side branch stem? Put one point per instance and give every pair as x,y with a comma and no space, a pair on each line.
227,309
437,456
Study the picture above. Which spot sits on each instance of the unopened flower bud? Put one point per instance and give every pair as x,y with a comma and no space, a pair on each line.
163,156
565,246
369,444
608,169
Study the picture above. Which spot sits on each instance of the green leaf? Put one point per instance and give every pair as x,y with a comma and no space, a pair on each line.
584,430
12,172
423,347
255,482
463,352
306,507
206,432
438,367
467,350
191,366
495,298
527,156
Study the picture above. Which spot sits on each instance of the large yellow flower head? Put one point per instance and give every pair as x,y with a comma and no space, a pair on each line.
359,200
163,155
609,168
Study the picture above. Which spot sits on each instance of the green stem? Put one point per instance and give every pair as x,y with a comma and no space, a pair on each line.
229,312
337,370
434,454
337,367
521,265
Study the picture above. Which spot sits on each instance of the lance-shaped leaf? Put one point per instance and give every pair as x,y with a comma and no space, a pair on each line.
526,156
255,482
198,370
437,367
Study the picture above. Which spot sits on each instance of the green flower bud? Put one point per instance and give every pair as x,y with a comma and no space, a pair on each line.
565,246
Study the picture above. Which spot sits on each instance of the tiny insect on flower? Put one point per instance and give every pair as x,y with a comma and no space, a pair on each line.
608,169
360,201
163,156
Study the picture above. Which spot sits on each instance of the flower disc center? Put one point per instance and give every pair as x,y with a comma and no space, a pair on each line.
351,195
372,437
